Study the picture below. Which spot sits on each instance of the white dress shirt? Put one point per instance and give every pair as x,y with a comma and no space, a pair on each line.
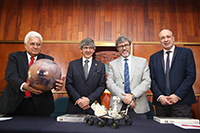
89,63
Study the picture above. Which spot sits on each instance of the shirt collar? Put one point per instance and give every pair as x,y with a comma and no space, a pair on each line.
172,49
129,58
29,57
90,59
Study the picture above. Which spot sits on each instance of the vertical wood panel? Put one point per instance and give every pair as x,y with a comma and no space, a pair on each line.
102,20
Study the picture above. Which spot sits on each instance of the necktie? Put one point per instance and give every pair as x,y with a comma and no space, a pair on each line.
86,68
28,93
168,91
126,78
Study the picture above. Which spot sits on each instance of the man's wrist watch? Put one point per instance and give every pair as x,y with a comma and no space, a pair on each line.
134,98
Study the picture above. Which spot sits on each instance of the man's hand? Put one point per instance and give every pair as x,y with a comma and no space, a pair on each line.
165,100
83,103
60,83
28,87
133,104
173,98
127,99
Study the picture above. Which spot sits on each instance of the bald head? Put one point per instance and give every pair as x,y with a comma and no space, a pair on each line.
166,39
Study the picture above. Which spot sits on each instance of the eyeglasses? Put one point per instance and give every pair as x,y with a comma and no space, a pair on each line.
88,48
125,45
35,44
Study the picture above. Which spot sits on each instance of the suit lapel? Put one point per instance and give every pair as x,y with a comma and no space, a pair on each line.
162,59
119,66
25,63
133,69
92,68
80,68
173,58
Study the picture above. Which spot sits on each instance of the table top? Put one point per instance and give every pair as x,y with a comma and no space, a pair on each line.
50,125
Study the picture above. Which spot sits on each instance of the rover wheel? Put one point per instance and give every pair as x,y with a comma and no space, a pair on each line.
90,121
100,123
115,124
128,122
105,120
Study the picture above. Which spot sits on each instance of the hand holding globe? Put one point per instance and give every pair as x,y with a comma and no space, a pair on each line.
43,73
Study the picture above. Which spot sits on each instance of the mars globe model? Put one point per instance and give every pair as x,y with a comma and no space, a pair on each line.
43,74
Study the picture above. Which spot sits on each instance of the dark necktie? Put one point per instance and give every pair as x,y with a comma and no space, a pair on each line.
28,93
86,68
168,91
126,78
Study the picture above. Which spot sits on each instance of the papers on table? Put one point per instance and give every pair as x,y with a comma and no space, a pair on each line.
5,118
188,126
72,118
181,120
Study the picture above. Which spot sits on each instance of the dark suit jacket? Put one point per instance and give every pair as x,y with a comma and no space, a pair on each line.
16,74
182,75
77,85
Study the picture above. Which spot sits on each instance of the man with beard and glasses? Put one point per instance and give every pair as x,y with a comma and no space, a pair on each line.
173,73
129,79
85,80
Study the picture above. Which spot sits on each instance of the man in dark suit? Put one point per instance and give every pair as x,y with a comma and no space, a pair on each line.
173,73
85,80
13,100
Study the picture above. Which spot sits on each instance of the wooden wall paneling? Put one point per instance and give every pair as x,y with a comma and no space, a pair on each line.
196,109
81,22
146,22
195,50
181,21
156,19
3,11
166,14
107,20
69,22
129,19
196,20
124,18
189,21
113,20
140,21
97,21
5,50
134,20
75,20
36,16
11,20
91,20
102,21
172,18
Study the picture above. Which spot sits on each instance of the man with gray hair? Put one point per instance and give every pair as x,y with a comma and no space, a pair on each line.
18,97
129,78
85,80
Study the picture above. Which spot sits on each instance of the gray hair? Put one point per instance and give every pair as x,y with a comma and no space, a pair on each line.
122,39
32,34
87,41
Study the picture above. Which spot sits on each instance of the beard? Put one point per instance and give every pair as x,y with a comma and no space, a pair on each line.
123,55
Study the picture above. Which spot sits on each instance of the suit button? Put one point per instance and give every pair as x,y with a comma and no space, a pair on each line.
122,82
85,84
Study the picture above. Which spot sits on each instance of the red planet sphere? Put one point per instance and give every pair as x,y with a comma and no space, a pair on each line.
43,74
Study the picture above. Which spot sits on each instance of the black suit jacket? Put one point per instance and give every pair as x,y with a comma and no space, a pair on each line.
182,75
16,74
77,85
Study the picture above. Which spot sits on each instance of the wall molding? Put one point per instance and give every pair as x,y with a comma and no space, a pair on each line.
98,43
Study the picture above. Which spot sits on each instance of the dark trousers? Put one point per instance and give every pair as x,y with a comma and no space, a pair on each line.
26,107
132,114
174,111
